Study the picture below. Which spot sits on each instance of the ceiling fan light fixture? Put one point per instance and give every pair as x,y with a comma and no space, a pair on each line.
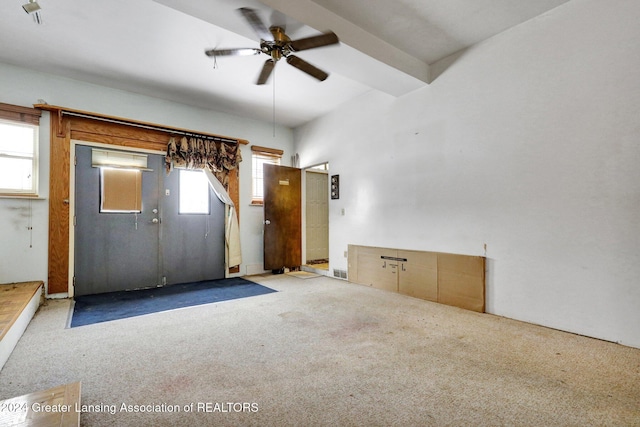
31,7
275,43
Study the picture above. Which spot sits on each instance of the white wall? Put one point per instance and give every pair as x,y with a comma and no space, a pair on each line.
527,143
19,261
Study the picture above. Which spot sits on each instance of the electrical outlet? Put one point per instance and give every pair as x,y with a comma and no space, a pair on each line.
345,254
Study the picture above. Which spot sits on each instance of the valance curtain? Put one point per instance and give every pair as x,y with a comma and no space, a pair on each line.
220,157
217,158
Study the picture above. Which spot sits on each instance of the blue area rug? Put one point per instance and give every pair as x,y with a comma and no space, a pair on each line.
89,309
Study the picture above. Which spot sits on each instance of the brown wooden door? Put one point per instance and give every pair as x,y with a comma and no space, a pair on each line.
282,217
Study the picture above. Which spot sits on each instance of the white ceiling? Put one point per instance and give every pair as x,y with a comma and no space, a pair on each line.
157,47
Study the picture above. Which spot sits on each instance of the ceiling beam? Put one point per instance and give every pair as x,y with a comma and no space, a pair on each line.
316,16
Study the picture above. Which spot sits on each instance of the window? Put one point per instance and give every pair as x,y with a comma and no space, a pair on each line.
194,192
120,190
18,158
320,167
260,156
120,179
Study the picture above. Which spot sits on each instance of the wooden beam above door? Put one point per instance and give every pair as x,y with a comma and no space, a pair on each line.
61,111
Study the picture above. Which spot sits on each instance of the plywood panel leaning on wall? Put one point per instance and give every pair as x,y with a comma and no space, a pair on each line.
451,279
372,269
461,281
419,274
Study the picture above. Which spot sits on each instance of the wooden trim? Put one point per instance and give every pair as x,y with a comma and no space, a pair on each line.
124,121
266,150
20,114
59,173
85,129
93,129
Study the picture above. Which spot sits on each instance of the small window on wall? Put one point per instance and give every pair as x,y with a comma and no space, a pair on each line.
120,190
194,192
259,157
18,158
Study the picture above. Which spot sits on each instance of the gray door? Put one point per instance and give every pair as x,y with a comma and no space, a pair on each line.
122,251
192,245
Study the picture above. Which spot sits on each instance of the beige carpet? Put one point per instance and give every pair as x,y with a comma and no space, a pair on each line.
324,352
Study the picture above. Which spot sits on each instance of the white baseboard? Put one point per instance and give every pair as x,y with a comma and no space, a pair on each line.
253,269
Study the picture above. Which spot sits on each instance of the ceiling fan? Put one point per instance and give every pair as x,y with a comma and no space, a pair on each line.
275,43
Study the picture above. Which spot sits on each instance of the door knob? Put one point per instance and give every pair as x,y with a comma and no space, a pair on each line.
267,222
155,220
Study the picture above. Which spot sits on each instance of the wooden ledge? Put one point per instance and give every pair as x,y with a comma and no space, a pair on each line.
14,297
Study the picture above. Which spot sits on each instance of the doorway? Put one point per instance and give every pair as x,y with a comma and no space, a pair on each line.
132,244
296,218
317,218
